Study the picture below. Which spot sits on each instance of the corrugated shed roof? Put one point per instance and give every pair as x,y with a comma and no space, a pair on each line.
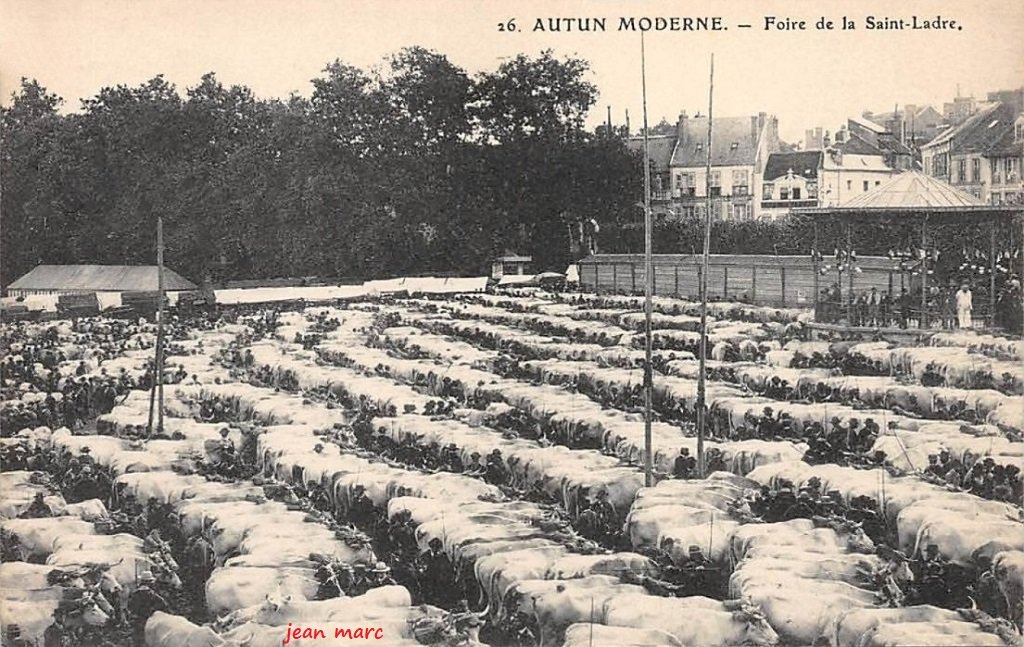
660,148
100,278
803,163
733,142
913,189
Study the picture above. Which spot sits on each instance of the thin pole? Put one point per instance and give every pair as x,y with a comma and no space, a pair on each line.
648,271
702,415
992,275
923,321
849,271
160,325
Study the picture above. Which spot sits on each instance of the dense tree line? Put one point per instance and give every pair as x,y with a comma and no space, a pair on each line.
415,168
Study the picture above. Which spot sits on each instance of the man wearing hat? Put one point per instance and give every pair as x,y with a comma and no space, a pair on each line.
143,603
380,575
695,558
685,465
37,509
933,574
451,458
57,634
85,487
362,511
496,473
436,579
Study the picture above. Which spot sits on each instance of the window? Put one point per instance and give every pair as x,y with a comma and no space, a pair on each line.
878,182
741,211
784,193
716,191
849,185
1012,169
812,190
686,183
796,193
740,180
766,191
976,170
689,211
961,170
716,178
865,185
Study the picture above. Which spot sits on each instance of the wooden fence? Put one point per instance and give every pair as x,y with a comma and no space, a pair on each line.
791,281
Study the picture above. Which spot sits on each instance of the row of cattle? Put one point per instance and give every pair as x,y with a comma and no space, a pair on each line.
1001,409
898,487
394,400
478,534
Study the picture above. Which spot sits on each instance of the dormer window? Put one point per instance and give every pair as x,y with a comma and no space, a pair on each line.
735,145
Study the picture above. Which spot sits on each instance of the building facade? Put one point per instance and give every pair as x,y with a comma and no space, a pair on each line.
739,151
971,155
824,178
1005,159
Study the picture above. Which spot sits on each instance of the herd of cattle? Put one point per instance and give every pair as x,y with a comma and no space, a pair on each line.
453,373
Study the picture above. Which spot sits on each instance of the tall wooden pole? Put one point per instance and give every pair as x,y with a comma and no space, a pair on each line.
702,414
648,271
160,325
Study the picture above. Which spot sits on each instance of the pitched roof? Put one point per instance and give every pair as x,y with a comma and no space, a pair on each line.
913,189
1005,146
868,124
856,145
660,148
853,162
733,142
803,163
980,134
950,135
99,278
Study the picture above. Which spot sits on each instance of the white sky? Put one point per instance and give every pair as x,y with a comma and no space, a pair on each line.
75,47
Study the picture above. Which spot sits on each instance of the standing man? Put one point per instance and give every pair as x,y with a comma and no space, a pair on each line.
143,603
964,306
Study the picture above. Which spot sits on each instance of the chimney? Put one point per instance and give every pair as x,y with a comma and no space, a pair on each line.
683,126
841,136
826,141
754,130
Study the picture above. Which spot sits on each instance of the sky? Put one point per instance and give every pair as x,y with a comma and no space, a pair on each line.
806,78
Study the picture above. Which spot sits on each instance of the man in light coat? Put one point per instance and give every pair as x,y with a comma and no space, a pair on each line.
964,306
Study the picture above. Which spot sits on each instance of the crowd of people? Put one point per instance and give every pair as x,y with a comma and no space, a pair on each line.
984,478
949,306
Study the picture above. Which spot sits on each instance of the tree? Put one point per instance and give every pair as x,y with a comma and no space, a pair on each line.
543,98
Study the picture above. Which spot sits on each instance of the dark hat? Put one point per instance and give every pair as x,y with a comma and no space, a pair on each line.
436,543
